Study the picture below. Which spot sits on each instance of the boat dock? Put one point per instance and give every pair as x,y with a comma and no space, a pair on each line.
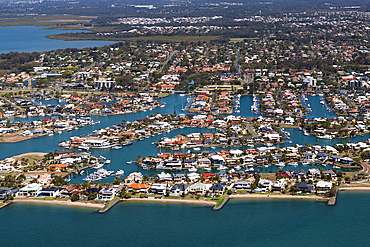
219,207
333,200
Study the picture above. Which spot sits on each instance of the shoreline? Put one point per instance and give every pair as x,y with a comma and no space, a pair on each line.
272,196
62,203
182,201
354,188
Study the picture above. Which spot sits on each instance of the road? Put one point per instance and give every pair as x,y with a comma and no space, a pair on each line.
169,59
250,129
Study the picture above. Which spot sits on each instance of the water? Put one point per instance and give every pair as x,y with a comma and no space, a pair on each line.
32,38
119,157
318,109
252,222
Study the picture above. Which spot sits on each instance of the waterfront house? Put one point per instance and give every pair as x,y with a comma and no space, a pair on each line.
298,174
264,185
285,174
217,188
30,190
135,177
164,176
139,188
279,185
180,189
50,192
199,188
304,187
323,186
107,194
179,177
7,192
242,185
159,189
193,176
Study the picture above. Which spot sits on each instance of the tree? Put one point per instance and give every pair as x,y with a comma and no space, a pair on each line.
75,197
127,195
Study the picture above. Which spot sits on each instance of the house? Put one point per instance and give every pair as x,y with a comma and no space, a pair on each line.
30,190
323,186
217,188
159,189
204,162
298,174
199,188
193,176
285,174
7,192
57,167
189,163
242,185
164,176
208,175
50,192
107,194
180,189
314,172
279,185
139,188
331,173
135,177
305,187
264,185
179,177
44,179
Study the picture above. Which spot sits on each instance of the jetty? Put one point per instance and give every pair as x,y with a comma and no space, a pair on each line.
108,206
333,200
219,205
6,204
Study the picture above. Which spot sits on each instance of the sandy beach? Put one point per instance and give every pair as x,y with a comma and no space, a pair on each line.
277,196
63,203
186,201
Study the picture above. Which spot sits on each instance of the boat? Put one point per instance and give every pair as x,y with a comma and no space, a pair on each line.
117,147
213,147
328,137
196,149
127,143
292,164
280,164
192,169
222,167
84,147
337,167
269,144
207,168
120,172
306,163
238,167
130,162
107,161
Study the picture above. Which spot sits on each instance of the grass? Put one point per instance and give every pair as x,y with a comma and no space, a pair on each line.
109,203
47,21
221,199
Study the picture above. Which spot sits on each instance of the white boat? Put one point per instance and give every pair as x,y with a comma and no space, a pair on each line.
207,168
192,169
292,164
306,163
196,149
336,167
325,137
120,172
280,164
222,167
107,161
117,147
84,147
238,167
269,144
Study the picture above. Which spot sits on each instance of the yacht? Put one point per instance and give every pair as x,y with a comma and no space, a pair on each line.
196,149
207,169
192,169
325,137
117,147
280,164
292,164
120,172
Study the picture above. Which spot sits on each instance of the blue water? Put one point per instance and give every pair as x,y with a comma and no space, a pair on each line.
32,38
119,157
318,109
252,222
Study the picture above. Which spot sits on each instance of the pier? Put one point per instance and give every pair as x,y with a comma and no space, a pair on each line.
219,206
109,205
333,200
